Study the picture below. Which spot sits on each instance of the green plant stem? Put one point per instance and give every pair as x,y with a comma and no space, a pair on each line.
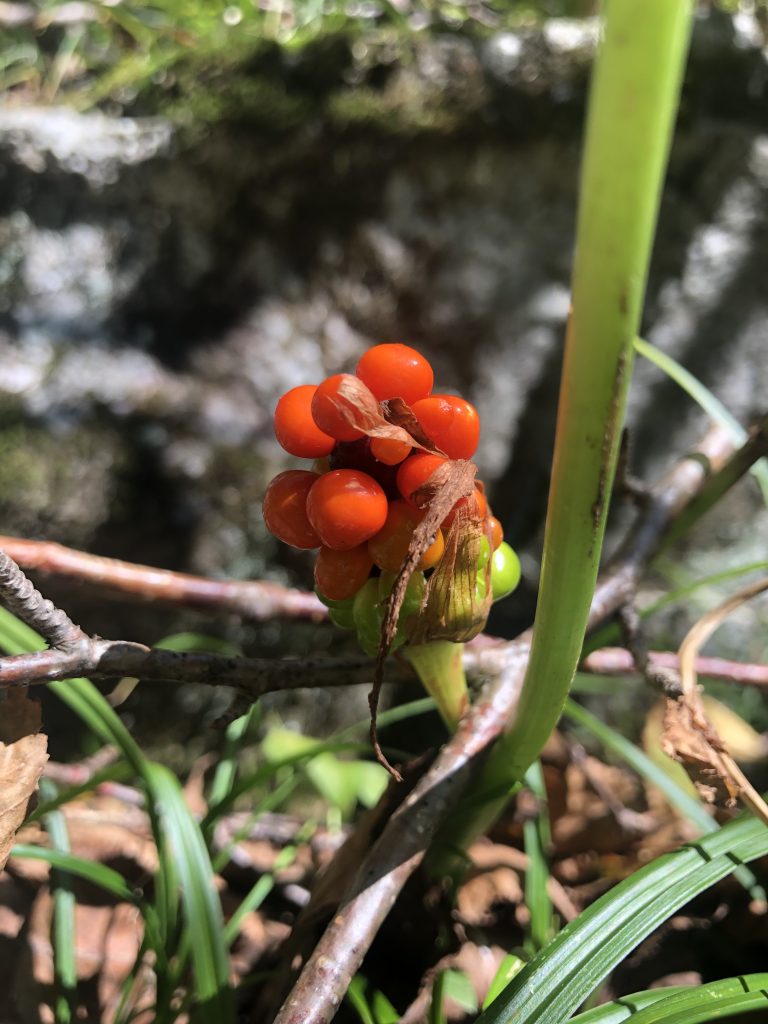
440,667
633,101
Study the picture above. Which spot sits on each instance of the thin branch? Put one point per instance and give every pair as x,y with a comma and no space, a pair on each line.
255,600
400,849
616,661
20,597
253,677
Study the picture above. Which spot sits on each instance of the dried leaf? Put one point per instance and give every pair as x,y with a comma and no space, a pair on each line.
689,735
451,609
399,414
690,739
392,419
23,753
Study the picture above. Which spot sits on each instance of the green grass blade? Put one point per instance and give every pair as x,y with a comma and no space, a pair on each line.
743,994
677,797
111,773
679,593
356,996
270,802
97,874
226,769
626,1007
183,839
536,838
509,968
63,924
708,402
581,956
436,1011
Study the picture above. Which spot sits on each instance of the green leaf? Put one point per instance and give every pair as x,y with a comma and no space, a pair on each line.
97,874
63,924
536,838
377,1009
509,967
581,956
458,988
119,772
200,904
341,783
708,402
744,994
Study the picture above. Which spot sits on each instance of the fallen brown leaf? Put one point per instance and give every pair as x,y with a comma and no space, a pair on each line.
689,736
23,753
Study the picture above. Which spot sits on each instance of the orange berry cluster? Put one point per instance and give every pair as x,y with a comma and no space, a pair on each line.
360,503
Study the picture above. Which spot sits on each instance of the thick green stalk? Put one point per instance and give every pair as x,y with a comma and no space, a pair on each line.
440,667
633,101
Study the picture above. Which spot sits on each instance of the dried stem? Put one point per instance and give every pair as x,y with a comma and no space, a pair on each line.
616,661
253,677
256,600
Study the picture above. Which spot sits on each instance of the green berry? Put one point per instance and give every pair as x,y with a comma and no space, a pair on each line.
343,617
505,571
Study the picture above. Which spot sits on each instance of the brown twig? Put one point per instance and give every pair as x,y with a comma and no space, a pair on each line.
317,993
20,597
256,600
616,661
251,676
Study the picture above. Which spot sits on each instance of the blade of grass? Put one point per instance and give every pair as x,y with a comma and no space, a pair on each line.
536,839
581,956
677,797
436,1011
743,994
118,772
711,405
97,874
258,893
610,633
63,939
183,839
270,802
184,863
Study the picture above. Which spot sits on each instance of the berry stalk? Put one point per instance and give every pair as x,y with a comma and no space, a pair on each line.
440,667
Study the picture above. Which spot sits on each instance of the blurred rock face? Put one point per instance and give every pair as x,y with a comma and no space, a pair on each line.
157,295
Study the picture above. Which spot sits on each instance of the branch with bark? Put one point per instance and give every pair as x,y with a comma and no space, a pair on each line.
254,600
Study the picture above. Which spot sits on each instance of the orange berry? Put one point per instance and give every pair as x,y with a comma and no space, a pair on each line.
334,413
390,452
346,507
396,371
390,545
340,574
452,423
285,508
295,429
478,509
414,473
